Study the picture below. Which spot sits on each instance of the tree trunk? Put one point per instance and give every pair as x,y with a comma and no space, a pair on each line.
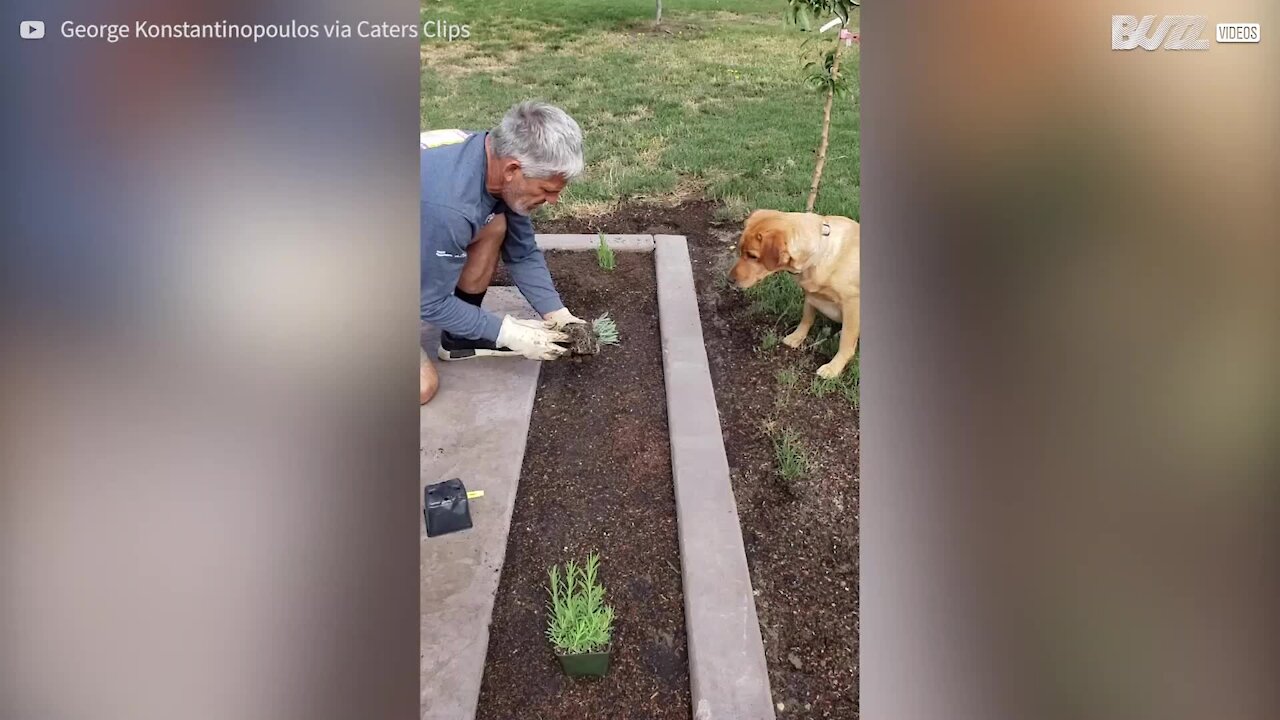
658,21
826,133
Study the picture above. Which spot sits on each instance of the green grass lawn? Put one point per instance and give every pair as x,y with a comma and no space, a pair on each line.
717,108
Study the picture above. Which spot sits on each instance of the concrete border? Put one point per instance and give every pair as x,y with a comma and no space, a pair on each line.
728,675
622,243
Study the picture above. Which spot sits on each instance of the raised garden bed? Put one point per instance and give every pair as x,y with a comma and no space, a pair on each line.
801,535
597,477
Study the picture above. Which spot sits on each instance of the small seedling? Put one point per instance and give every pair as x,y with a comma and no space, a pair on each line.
787,378
578,619
792,462
587,339
604,255
606,330
769,340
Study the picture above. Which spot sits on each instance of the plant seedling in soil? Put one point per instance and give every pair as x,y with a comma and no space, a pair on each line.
579,623
788,377
587,339
792,462
604,255
605,329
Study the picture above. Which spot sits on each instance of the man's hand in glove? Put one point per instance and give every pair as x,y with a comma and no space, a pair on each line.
563,317
534,339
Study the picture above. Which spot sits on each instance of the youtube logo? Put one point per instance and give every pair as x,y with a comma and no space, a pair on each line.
31,29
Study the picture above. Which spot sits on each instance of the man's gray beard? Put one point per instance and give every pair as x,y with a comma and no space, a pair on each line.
517,209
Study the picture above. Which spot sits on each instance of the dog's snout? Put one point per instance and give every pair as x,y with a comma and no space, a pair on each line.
741,275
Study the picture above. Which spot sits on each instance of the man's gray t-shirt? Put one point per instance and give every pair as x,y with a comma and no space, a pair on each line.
454,206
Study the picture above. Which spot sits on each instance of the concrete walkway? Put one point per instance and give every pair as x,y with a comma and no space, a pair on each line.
474,429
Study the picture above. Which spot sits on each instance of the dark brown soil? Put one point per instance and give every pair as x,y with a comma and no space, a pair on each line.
596,476
801,538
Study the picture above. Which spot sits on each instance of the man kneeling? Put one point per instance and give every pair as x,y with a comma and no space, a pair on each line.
478,190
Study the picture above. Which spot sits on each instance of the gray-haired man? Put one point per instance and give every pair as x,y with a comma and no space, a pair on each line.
478,189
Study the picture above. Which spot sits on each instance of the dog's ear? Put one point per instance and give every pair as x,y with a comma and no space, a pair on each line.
774,254
754,223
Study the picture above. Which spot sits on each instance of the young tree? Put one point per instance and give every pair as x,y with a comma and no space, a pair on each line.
658,21
825,73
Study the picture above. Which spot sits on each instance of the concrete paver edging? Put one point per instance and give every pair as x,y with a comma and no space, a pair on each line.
728,676
622,243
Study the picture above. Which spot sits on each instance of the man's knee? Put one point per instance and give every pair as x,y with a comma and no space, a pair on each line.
483,255
494,232
428,380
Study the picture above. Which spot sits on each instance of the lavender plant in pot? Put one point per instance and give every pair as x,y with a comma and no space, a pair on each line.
579,623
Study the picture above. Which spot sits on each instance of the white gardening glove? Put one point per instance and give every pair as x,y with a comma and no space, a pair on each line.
563,317
534,339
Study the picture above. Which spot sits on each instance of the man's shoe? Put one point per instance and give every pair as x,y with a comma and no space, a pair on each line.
453,348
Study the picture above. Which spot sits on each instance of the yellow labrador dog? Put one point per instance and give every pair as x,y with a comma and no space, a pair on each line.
823,252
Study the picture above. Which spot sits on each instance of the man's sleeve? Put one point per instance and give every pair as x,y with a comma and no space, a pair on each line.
527,266
446,233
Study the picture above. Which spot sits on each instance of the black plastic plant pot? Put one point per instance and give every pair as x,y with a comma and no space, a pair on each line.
582,664
445,508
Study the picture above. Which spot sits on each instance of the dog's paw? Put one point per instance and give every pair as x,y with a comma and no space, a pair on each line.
830,371
794,340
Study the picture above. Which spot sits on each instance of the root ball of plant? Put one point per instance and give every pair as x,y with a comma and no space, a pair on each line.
582,340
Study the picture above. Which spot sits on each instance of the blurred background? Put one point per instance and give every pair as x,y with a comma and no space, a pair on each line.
209,434
1070,269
